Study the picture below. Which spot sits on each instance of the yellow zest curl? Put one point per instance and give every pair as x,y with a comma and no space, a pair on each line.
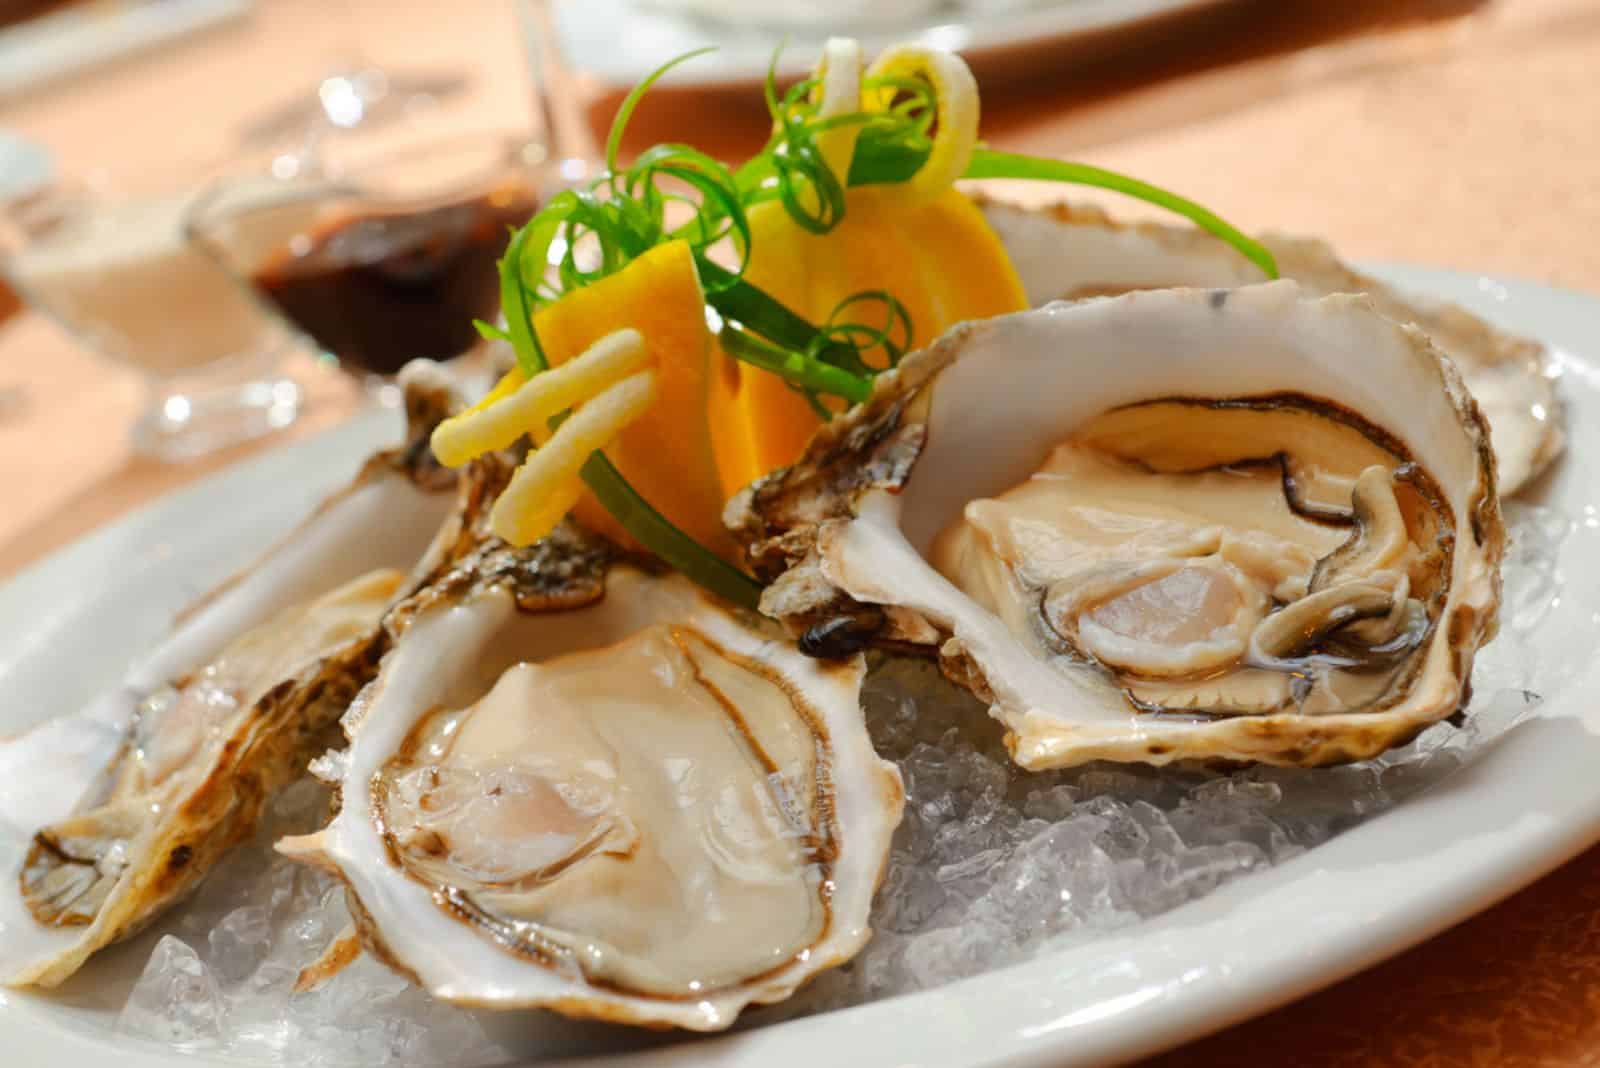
955,90
839,71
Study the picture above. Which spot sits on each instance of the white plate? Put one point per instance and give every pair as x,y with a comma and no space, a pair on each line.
1529,802
589,34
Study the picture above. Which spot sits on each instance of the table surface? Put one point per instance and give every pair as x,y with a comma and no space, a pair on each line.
1445,132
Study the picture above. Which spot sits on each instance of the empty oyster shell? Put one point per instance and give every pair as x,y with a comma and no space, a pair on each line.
585,787
1069,251
112,814
1236,524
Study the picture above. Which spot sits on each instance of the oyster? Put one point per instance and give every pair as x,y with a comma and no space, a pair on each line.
578,785
1068,251
1236,524
114,813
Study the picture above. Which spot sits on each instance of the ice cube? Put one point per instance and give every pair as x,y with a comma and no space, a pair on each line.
950,952
176,998
239,942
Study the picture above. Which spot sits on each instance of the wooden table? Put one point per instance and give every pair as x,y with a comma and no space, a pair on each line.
1435,131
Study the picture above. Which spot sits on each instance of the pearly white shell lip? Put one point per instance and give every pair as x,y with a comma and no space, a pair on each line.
1064,250
995,400
383,519
398,916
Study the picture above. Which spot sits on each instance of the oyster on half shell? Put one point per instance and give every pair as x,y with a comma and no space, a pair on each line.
1069,251
582,786
1236,524
110,815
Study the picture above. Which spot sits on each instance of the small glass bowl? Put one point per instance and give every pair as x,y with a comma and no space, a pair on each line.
118,272
378,258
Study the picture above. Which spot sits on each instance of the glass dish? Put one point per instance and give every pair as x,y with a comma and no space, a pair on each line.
379,258
118,272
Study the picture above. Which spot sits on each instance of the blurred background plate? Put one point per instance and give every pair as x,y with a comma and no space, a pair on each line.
745,36
65,38
25,166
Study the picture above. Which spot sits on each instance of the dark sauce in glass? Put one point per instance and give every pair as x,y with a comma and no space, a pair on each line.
380,290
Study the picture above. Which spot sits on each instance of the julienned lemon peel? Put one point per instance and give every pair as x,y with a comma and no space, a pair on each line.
956,96
648,313
526,406
546,487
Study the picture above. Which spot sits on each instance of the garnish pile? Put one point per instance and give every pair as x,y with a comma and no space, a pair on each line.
681,327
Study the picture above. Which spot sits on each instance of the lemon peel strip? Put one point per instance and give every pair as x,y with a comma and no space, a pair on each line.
527,407
547,485
956,94
839,71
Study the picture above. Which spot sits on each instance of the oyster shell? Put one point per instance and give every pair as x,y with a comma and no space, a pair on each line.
112,814
1237,524
578,785
1069,251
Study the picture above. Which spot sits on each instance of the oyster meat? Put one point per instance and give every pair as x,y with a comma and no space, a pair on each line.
1069,251
579,785
1236,524
112,814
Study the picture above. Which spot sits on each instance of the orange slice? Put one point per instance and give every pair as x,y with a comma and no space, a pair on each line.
937,256
666,453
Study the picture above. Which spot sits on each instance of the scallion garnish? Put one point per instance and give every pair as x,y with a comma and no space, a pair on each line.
658,534
987,163
799,369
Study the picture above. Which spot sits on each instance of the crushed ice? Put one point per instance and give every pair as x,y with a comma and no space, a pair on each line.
221,979
990,866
